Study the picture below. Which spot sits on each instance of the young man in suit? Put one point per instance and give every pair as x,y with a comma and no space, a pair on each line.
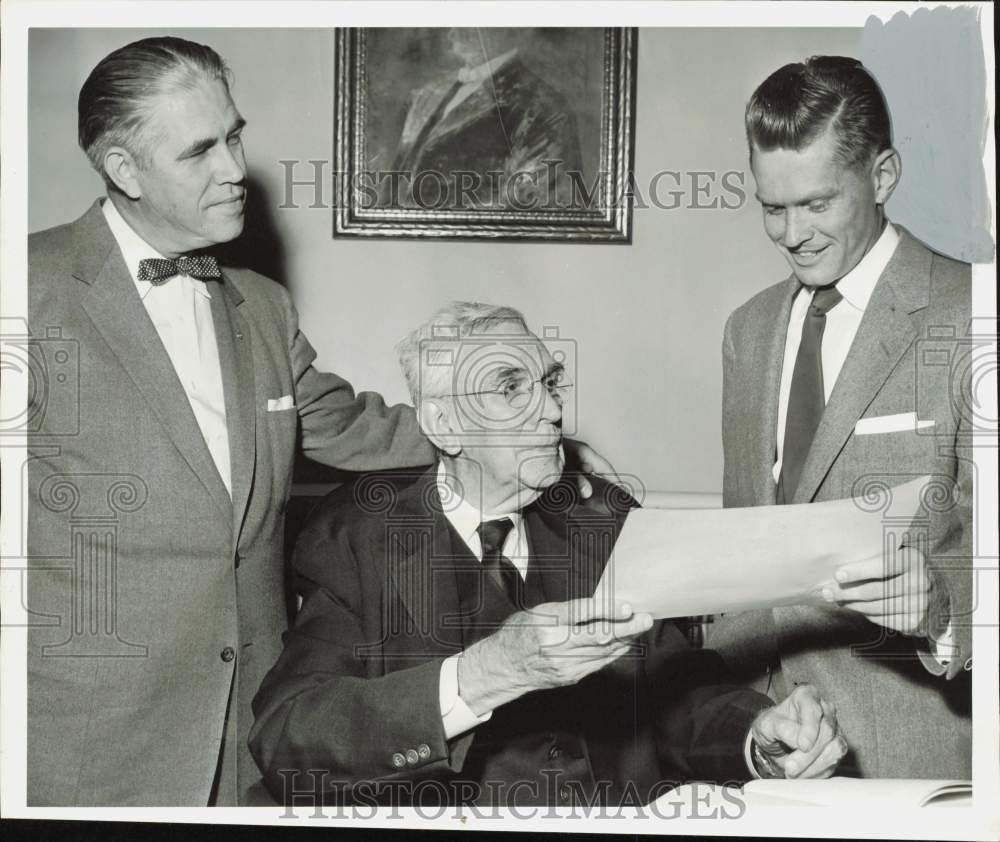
827,395
449,647
157,499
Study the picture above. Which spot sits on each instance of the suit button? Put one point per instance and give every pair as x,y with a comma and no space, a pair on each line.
412,757
565,793
424,751
398,760
968,665
555,752
227,654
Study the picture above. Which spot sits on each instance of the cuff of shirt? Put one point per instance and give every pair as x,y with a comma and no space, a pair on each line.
940,652
456,716
748,756
751,752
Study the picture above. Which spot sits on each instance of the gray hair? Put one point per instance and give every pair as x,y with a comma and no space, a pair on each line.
115,102
456,321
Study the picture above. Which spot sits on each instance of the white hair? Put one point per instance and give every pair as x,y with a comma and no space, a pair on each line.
452,323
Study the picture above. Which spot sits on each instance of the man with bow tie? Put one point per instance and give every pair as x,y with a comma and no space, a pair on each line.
834,387
449,648
157,498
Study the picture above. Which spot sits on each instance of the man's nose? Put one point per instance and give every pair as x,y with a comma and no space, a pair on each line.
796,230
552,406
230,165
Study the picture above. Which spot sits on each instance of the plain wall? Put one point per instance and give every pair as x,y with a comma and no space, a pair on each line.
647,317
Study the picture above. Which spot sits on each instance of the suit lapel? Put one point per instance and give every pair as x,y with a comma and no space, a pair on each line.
885,332
768,358
113,305
422,564
568,552
236,362
487,98
472,108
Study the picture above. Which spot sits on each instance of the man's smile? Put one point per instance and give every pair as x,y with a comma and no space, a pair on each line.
806,257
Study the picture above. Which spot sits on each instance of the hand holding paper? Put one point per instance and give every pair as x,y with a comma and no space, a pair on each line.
554,644
893,589
679,563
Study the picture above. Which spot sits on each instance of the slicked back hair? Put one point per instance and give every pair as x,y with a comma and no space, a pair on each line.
796,104
116,101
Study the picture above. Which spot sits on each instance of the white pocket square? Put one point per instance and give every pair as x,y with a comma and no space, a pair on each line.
890,424
278,404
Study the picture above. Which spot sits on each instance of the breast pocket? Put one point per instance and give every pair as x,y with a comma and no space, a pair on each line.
902,454
282,432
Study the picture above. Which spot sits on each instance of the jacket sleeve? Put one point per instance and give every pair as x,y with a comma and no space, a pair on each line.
344,430
328,709
702,717
951,560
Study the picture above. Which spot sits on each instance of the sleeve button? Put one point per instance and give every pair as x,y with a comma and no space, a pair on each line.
424,751
398,760
412,757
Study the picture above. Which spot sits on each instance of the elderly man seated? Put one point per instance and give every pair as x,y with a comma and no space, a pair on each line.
448,647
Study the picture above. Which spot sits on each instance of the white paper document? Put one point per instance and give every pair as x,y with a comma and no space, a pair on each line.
678,563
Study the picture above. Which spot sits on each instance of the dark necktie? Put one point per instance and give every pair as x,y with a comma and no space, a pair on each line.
501,569
159,270
806,400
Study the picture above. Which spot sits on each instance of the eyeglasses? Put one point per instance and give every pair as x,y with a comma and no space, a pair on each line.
518,389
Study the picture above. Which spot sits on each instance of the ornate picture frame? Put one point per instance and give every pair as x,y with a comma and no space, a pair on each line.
500,134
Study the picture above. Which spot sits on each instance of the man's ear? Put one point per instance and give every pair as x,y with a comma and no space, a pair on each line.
436,423
121,167
886,170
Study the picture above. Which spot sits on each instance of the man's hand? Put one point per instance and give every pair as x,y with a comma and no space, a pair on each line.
553,645
799,738
896,591
583,457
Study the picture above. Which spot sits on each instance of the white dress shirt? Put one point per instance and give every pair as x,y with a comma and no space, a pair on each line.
456,715
181,312
842,323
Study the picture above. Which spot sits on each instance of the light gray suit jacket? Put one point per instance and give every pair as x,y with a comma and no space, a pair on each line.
158,601
900,719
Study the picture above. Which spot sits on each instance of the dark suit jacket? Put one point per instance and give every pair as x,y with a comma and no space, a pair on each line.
513,123
162,597
908,356
391,590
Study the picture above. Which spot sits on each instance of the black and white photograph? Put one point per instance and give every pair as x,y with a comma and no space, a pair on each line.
435,416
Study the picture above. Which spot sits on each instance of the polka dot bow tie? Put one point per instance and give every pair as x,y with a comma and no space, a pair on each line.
158,270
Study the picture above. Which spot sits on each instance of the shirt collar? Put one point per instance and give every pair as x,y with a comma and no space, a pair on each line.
134,249
462,514
857,286
475,75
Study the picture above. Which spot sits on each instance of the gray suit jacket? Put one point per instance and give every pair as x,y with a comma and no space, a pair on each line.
900,719
157,600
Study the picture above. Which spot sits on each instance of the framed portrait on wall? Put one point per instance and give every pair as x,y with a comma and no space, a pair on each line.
488,133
